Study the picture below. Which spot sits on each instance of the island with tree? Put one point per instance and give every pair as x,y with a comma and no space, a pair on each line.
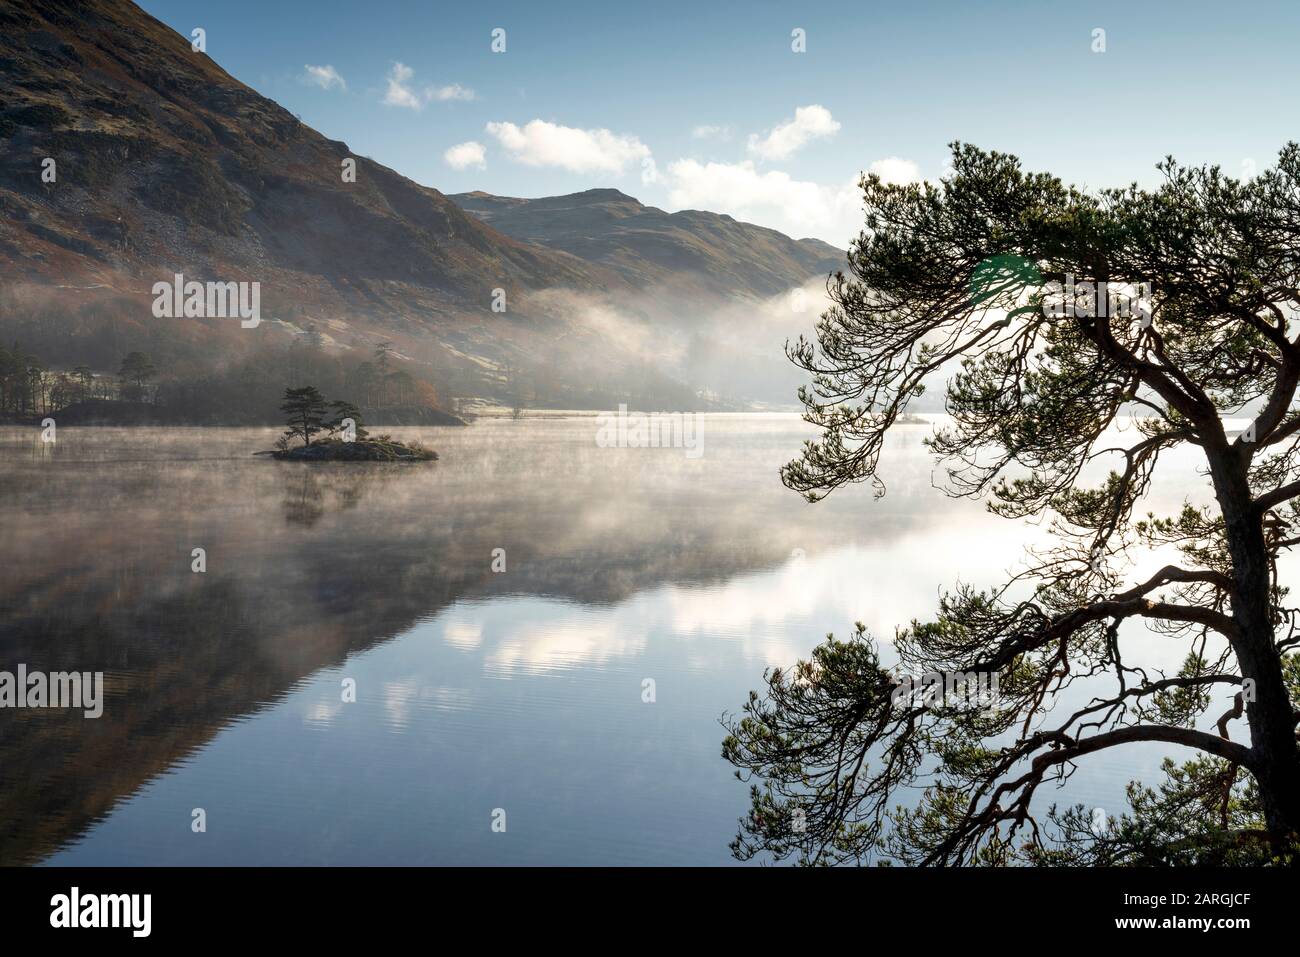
344,435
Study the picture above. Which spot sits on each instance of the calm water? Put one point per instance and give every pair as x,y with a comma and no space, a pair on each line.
475,690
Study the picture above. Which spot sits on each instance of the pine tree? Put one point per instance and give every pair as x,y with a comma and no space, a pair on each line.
304,409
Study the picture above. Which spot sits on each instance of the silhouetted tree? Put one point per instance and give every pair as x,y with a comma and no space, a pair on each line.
304,410
15,388
37,384
84,377
346,410
973,277
137,369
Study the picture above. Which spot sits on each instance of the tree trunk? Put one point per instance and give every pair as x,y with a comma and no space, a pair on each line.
1268,706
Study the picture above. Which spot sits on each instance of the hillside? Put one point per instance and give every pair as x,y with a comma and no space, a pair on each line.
166,164
649,247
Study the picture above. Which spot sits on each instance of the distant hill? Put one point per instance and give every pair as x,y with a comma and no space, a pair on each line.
650,247
165,164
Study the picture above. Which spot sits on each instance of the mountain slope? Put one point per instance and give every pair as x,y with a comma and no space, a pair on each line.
648,246
167,163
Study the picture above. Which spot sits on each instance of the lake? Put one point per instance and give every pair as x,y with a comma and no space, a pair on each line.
503,615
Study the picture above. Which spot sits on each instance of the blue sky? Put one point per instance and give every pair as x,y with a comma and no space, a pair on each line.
887,84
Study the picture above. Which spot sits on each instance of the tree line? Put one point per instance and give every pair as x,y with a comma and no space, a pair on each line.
244,389
29,387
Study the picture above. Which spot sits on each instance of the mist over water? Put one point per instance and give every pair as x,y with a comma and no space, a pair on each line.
475,690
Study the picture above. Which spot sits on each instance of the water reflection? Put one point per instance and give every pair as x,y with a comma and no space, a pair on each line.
520,689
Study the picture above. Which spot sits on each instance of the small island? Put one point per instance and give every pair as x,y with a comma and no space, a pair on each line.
308,414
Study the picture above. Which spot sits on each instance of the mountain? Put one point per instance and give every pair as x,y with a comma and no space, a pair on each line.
649,247
126,157
167,163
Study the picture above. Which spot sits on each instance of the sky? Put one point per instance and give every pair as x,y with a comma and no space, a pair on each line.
708,105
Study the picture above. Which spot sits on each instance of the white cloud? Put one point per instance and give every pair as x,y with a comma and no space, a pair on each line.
707,131
401,92
465,155
810,122
773,198
797,207
325,77
453,92
540,143
891,169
